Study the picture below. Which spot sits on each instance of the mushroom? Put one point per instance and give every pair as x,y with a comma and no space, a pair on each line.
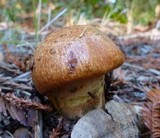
70,66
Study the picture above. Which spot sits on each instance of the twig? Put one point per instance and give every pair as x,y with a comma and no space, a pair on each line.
56,131
134,66
24,103
155,71
141,68
27,44
49,17
134,86
9,134
24,75
53,20
9,67
38,132
16,85
83,32
39,14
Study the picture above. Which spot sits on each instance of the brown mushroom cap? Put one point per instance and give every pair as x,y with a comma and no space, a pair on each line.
73,53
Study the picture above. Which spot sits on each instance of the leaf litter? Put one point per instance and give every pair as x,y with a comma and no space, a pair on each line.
18,98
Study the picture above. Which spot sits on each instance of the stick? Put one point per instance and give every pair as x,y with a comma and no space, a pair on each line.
53,20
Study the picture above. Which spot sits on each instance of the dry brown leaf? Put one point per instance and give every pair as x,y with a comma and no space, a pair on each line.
32,117
151,112
22,116
15,112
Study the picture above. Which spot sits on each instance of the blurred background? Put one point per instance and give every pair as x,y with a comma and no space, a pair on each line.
37,17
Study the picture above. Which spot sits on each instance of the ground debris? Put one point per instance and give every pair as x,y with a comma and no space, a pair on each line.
22,103
139,74
17,94
151,112
18,107
56,131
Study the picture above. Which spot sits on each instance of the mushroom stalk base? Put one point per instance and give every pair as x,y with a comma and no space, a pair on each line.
75,99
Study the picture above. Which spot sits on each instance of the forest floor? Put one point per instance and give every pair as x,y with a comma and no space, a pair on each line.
24,112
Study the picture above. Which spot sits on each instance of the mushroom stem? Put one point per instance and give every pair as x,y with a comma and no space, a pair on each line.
75,99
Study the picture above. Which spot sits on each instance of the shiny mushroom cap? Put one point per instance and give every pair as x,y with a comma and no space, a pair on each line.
71,54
